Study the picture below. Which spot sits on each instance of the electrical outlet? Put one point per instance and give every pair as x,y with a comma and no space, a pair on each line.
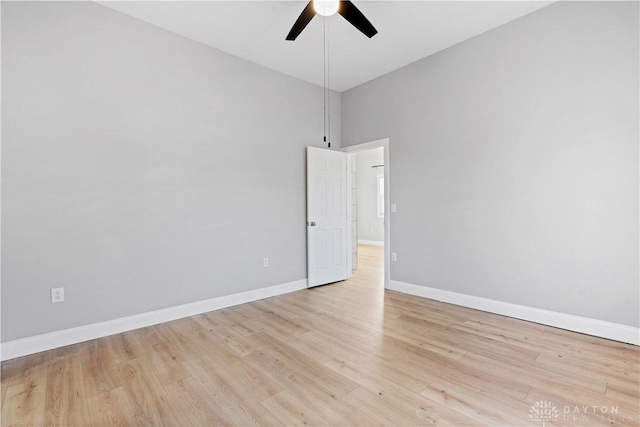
265,262
394,256
57,295
393,207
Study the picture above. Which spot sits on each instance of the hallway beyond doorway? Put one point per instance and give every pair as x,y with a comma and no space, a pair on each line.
370,265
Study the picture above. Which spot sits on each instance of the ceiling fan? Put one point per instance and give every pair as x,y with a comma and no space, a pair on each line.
327,8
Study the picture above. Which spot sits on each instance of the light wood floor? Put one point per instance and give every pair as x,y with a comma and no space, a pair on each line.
348,354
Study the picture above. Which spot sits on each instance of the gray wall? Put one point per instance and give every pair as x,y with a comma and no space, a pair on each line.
515,161
370,227
141,170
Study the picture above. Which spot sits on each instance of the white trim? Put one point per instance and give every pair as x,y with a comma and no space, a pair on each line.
370,242
0,190
350,159
387,200
367,146
38,343
380,206
585,325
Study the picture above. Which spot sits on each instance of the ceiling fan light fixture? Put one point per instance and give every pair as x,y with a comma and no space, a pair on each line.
326,7
346,8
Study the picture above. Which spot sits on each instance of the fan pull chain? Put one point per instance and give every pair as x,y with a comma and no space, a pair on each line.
324,78
329,83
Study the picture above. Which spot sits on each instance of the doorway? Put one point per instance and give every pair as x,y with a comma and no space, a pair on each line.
368,210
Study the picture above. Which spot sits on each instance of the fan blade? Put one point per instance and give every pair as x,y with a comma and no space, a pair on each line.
352,14
305,17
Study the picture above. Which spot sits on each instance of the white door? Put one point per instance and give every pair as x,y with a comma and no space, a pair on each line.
326,216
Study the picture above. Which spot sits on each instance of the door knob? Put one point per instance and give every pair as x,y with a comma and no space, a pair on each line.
313,224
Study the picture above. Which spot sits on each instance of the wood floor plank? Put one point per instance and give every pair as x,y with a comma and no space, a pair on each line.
331,324
252,413
310,348
300,363
274,322
588,341
196,404
484,408
292,412
354,348
149,401
66,399
98,369
21,370
122,347
239,377
270,305
378,394
112,408
451,351
241,312
470,343
164,361
377,406
311,392
459,371
24,403
532,375
625,377
624,396
215,320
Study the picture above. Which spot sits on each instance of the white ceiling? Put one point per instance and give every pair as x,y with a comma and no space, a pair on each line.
256,31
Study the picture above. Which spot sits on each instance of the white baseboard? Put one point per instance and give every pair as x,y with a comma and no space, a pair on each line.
370,242
38,343
585,325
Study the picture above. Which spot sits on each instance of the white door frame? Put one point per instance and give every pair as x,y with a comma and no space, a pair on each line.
387,204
